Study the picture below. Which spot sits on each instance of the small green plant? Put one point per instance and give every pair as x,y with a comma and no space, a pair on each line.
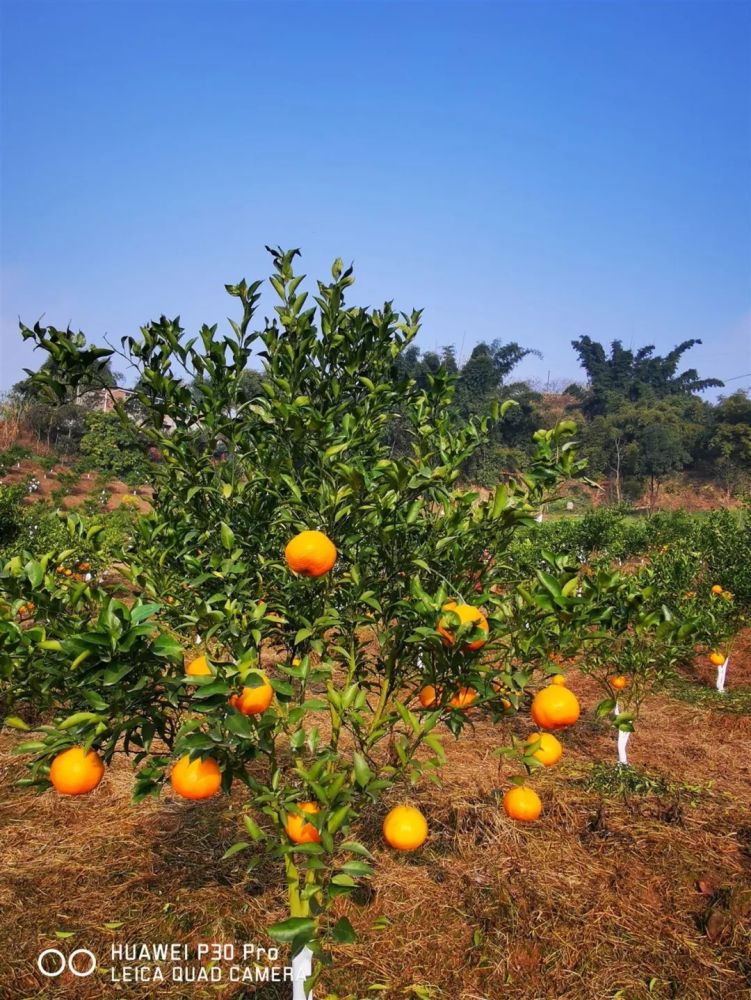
614,780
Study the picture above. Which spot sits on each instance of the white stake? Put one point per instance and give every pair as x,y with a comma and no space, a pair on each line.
622,740
302,966
721,672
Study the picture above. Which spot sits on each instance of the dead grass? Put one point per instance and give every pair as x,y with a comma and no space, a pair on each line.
646,895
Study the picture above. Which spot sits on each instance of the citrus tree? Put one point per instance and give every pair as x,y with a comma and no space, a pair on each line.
300,584
718,622
631,642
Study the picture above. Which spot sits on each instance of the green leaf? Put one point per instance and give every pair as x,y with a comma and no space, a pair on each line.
287,931
343,931
343,879
253,829
549,582
605,707
140,611
79,719
228,536
166,646
363,774
15,723
355,848
235,849
357,868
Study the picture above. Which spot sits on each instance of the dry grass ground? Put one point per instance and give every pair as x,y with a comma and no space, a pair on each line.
635,897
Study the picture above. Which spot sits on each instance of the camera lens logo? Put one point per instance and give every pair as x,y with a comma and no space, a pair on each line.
52,962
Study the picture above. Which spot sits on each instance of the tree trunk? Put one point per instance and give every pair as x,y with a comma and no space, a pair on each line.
618,469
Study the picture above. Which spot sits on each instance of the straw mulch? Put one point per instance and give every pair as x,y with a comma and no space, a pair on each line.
646,895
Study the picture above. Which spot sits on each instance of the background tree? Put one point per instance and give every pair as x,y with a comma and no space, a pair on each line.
730,441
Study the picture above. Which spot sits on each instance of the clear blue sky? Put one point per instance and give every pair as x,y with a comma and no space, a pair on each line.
529,171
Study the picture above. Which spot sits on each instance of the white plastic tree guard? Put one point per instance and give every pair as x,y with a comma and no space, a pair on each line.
721,673
302,967
623,738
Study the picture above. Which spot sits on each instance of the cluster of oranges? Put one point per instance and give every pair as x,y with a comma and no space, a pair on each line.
77,770
76,573
718,591
26,609
554,707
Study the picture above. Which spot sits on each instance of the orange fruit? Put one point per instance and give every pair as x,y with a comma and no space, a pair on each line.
196,779
467,613
717,659
429,696
619,682
555,707
463,697
717,589
558,679
311,553
549,749
405,828
74,772
198,667
255,700
298,829
522,803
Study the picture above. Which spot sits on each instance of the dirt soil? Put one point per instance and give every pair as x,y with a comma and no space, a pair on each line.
679,493
636,897
86,486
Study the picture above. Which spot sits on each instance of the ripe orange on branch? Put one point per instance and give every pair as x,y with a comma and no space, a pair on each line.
555,707
463,697
429,696
716,659
619,682
468,614
253,700
75,772
548,750
558,679
198,667
311,553
405,828
298,829
196,779
522,803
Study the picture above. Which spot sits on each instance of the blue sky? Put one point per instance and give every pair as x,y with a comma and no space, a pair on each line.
529,171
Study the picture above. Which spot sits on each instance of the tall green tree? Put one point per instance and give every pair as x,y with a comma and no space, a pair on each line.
730,442
635,376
